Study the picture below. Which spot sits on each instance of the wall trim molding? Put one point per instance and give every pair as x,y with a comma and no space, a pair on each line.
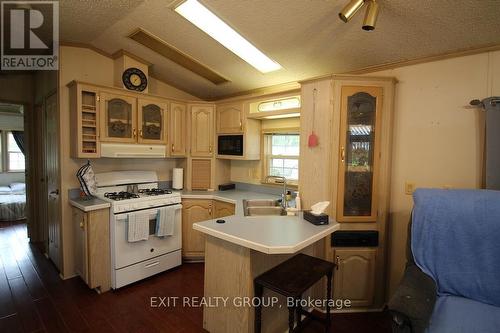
426,59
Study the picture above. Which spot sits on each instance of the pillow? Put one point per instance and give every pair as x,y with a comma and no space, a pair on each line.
18,187
5,190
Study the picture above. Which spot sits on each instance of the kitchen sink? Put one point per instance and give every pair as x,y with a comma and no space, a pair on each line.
262,207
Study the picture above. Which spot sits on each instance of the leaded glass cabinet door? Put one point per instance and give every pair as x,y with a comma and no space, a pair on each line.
359,154
152,126
119,122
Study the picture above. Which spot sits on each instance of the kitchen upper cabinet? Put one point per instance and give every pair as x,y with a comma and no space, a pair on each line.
359,155
202,135
222,209
178,116
152,120
230,118
91,247
193,241
118,118
354,278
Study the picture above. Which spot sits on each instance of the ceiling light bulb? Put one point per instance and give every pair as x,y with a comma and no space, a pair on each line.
352,7
371,16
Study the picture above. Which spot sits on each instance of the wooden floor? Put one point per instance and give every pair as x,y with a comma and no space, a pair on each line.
34,299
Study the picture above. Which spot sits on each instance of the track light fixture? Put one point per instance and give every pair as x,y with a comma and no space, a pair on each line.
354,6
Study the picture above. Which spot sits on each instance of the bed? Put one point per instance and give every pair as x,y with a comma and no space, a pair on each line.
13,202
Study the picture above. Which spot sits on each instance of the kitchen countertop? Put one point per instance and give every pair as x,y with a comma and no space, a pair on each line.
88,205
266,234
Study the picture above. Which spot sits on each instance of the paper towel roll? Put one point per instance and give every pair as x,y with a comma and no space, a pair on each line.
177,178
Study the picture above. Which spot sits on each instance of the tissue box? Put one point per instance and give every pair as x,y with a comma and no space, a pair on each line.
321,219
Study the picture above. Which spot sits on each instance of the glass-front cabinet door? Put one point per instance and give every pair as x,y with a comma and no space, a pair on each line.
152,122
359,153
119,119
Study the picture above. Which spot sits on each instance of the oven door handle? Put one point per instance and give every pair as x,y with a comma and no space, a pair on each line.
124,217
156,263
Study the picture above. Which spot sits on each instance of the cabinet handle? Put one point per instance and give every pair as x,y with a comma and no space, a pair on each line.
342,154
210,211
140,133
210,149
81,224
241,125
337,261
134,132
172,147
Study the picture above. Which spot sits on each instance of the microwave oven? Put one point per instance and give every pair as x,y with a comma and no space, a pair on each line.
230,145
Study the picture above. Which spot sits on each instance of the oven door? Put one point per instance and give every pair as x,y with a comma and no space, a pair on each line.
127,253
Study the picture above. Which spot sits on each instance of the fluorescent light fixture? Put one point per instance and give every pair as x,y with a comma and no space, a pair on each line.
287,115
207,21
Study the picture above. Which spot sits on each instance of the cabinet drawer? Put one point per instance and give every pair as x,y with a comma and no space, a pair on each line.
146,268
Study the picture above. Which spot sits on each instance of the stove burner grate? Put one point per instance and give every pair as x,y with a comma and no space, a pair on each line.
120,195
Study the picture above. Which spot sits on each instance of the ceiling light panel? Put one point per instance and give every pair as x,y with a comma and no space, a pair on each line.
203,18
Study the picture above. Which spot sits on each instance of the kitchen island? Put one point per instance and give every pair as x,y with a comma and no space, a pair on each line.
242,248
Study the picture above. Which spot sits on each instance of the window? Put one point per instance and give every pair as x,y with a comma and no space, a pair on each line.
15,158
282,156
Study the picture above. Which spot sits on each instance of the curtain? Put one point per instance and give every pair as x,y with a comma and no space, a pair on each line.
19,138
492,107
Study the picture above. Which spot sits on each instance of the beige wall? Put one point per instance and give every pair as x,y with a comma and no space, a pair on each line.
437,137
251,171
86,65
158,87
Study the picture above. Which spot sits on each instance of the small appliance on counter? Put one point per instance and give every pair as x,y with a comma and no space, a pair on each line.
227,186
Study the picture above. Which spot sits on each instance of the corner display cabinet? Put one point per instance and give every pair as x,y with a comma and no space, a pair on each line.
359,148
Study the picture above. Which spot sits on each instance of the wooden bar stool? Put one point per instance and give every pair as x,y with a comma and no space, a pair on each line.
291,279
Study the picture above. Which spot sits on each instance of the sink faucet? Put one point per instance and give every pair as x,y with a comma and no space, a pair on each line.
279,180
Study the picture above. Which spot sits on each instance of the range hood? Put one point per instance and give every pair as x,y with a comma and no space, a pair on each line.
121,150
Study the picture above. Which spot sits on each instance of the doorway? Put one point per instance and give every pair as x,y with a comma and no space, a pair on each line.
14,206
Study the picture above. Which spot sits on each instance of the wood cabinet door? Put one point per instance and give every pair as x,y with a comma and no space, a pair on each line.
118,118
152,121
222,209
202,136
177,129
98,249
193,241
359,154
230,118
80,246
354,277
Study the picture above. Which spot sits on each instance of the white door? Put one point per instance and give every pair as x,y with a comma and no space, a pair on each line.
52,170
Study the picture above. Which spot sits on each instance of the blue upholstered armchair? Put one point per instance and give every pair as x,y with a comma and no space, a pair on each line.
452,277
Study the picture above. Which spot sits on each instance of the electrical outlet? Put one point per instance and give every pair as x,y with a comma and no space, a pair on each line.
409,188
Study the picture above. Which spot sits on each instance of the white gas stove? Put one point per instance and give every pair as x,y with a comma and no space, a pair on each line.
136,194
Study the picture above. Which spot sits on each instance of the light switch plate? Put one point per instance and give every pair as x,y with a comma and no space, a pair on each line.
409,188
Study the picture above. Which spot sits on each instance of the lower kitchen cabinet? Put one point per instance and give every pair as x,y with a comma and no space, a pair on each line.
198,210
354,277
92,249
222,209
